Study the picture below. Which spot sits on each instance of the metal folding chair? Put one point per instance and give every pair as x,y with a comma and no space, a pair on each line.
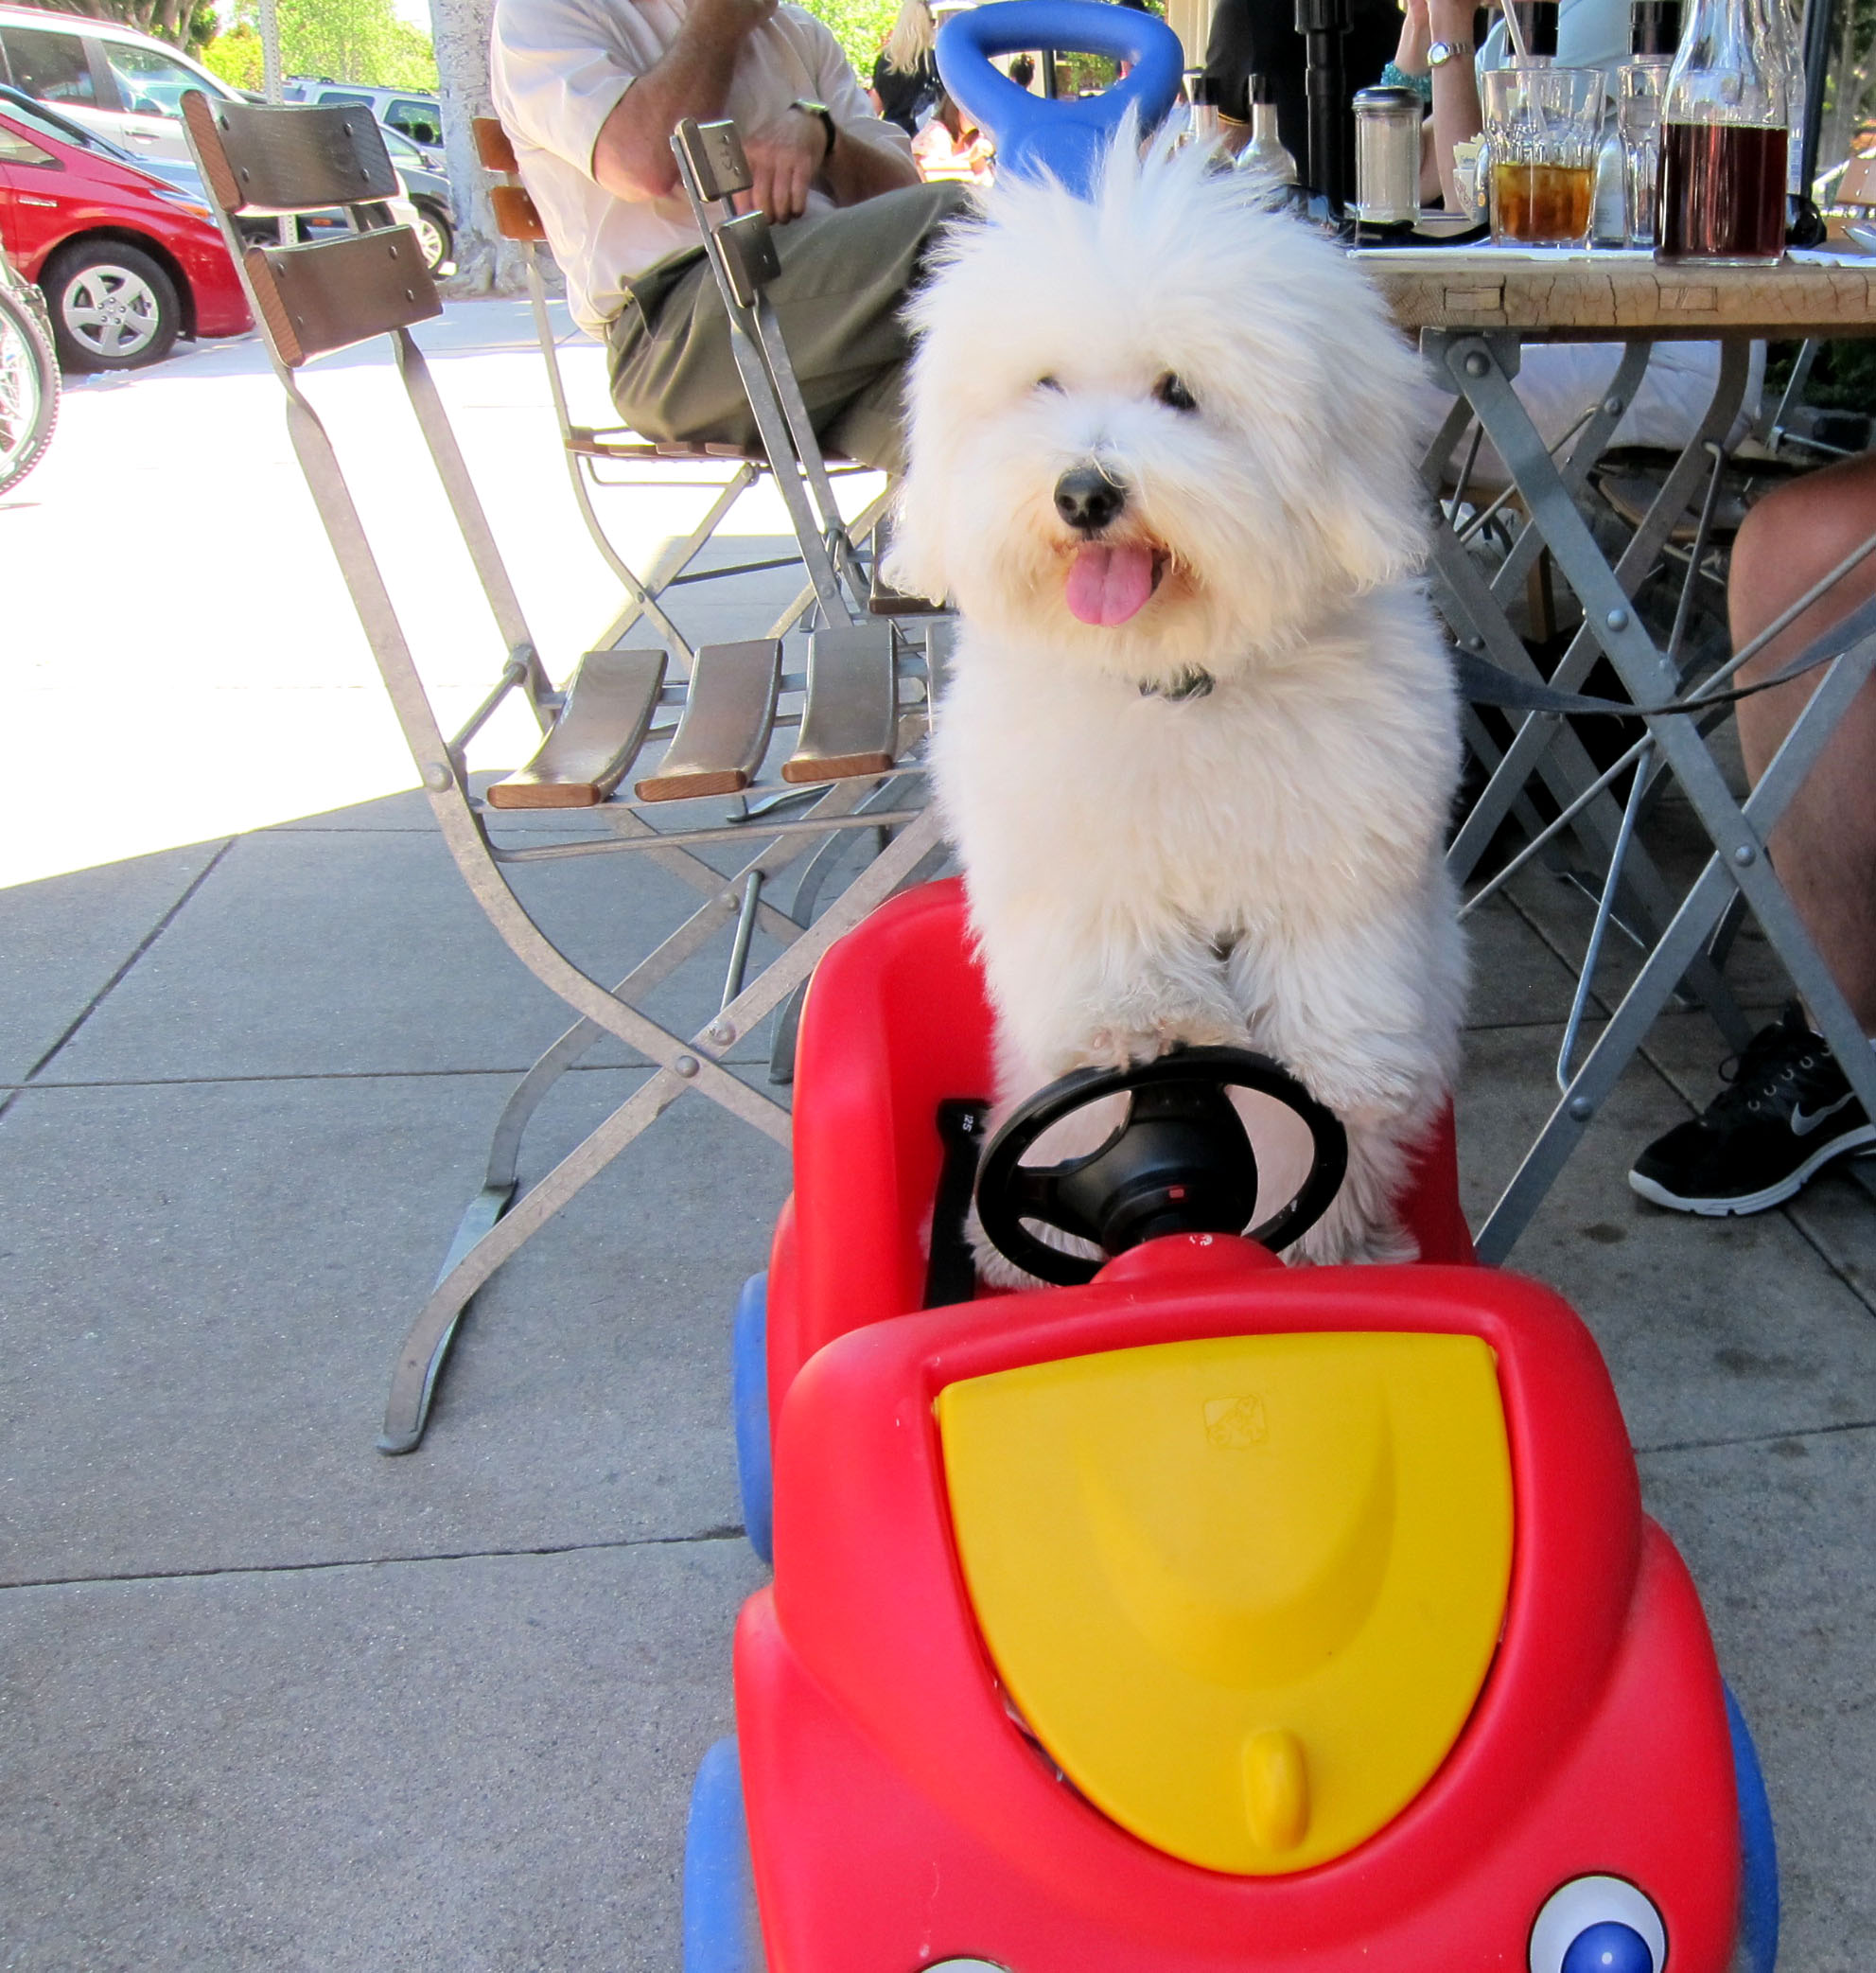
857,714
603,457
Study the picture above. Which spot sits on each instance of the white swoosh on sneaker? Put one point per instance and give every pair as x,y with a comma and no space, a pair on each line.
1801,1125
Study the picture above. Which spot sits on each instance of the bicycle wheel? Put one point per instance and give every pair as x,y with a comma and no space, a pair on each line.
30,387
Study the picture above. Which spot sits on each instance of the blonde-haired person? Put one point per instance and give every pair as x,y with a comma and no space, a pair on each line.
905,77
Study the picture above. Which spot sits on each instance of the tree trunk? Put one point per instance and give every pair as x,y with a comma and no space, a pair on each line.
484,263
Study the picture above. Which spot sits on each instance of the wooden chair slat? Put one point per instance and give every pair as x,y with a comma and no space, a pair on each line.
1858,185
273,158
317,299
493,148
851,723
517,217
723,733
609,705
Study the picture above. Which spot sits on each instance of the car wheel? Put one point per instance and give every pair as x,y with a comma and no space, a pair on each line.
113,307
434,236
28,390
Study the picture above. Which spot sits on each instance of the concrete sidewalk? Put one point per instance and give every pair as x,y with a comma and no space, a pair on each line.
271,1700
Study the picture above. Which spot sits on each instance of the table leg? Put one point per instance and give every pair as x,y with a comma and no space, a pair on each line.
1706,905
1739,833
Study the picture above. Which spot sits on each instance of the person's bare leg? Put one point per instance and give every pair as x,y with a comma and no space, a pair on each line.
1825,847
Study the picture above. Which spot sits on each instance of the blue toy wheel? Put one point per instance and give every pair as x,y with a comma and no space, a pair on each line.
723,1931
1758,1877
1066,139
748,1399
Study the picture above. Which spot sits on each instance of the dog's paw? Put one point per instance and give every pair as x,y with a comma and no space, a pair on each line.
1131,1046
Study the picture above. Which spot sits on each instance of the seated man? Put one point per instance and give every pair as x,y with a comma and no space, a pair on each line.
590,92
1789,1109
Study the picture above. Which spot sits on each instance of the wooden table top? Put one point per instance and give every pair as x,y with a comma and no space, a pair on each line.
1598,296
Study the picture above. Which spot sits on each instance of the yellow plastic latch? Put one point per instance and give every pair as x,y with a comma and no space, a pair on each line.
1245,1591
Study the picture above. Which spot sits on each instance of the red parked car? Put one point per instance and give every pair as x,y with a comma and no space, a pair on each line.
127,260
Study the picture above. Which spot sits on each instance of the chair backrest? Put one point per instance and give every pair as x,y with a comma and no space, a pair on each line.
276,158
260,159
517,217
494,151
1858,185
713,169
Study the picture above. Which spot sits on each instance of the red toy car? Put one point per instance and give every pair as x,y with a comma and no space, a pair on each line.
127,262
1208,1615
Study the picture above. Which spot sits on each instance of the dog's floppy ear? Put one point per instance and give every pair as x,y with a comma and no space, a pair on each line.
1370,505
915,561
1370,521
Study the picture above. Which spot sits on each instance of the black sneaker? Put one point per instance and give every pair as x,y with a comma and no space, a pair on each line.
1788,1111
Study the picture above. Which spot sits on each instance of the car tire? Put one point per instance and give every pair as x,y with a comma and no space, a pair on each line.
28,389
436,238
114,306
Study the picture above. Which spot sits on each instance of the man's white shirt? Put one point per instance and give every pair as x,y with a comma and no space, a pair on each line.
559,69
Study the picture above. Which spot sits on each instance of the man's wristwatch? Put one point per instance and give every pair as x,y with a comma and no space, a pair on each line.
828,124
1443,51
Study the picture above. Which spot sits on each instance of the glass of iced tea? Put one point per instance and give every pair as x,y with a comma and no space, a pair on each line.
1543,128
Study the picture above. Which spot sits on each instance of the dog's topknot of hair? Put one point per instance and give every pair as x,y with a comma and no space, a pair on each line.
1230,365
1162,220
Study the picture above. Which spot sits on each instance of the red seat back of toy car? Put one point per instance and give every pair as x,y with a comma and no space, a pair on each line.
897,1020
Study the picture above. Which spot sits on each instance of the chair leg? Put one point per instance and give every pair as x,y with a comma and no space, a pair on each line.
420,1364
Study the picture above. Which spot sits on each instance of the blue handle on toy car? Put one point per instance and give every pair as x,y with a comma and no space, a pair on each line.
1066,138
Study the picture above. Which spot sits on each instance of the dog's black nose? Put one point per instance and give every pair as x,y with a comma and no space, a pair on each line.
1087,498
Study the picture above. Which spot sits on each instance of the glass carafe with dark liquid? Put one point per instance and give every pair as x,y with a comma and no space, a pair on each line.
1725,123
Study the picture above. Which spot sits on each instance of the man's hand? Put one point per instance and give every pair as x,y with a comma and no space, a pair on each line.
784,161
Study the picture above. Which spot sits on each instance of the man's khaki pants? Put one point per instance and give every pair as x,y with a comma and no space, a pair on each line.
844,276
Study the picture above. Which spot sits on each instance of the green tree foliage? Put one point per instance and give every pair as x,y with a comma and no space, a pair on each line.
189,23
859,26
350,40
235,57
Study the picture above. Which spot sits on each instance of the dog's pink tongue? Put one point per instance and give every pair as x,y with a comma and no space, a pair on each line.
1109,585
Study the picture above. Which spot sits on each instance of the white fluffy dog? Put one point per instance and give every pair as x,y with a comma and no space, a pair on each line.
1201,741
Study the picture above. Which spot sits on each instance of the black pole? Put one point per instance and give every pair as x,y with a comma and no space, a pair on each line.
1324,25
1820,17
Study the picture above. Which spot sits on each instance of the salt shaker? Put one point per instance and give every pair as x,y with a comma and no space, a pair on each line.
1387,156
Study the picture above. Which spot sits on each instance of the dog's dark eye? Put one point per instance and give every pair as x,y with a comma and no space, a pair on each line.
1047,384
1170,391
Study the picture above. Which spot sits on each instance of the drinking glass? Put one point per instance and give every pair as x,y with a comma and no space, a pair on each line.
1639,85
1543,127
1725,138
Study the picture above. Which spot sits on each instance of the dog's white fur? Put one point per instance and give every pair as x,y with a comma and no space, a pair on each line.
1260,865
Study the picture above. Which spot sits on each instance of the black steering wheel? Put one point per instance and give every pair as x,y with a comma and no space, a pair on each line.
1180,1163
